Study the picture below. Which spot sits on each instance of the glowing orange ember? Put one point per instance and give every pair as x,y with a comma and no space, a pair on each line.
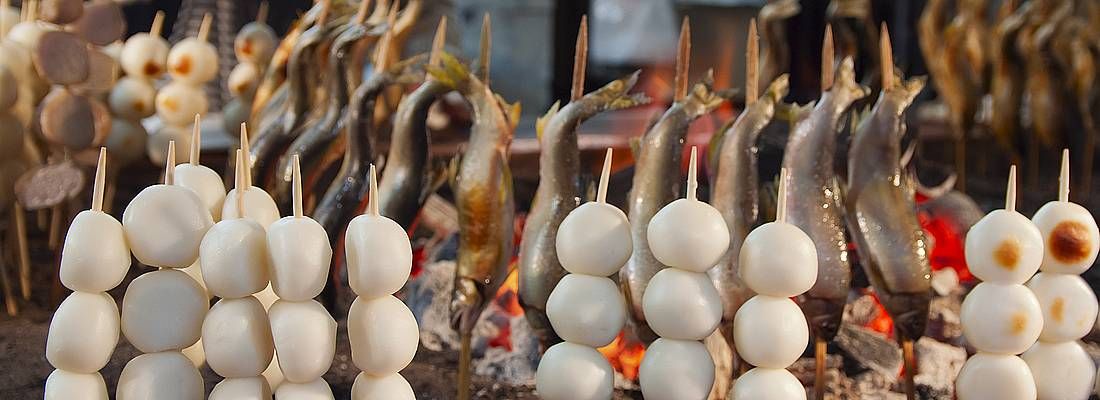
508,295
625,355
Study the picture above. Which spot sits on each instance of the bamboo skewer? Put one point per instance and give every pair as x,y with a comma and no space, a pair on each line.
296,189
204,27
22,250
484,56
752,65
196,142
438,44
158,24
683,62
580,60
1063,178
820,351
261,13
828,56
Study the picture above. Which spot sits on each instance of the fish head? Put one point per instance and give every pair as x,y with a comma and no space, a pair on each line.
466,304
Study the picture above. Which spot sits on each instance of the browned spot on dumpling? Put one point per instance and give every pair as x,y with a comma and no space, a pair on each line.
240,87
1069,242
151,68
1018,323
170,104
183,67
1007,254
246,47
1058,309
139,106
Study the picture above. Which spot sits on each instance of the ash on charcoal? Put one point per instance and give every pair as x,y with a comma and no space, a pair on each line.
944,322
428,296
939,365
870,349
861,311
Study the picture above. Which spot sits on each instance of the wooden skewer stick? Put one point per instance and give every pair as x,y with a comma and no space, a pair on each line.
22,248
240,182
170,164
683,62
484,57
910,358
204,27
827,59
158,24
819,368
379,13
693,182
438,43
752,65
261,13
361,15
196,141
887,62
605,176
100,181
464,356
372,199
248,156
580,60
781,204
6,286
1010,193
1063,178
4,5
296,189
384,56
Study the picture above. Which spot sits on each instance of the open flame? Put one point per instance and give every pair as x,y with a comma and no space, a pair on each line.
625,355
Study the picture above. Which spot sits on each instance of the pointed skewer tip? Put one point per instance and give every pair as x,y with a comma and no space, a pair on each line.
887,53
1063,178
828,57
693,181
752,64
1010,192
240,182
605,175
204,27
580,60
100,180
683,62
372,201
170,164
781,204
297,187
196,141
158,24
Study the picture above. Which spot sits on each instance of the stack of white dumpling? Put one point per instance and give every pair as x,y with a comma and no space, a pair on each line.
192,63
1000,316
382,330
237,333
85,327
586,308
1061,367
254,45
680,303
143,59
304,332
770,330
163,310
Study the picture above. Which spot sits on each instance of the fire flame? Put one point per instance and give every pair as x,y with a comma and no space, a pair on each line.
625,355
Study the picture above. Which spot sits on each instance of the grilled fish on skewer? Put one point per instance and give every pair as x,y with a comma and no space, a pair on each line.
1007,84
657,178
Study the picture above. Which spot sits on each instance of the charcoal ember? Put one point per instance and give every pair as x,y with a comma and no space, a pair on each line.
945,281
870,349
939,365
862,310
944,322
873,385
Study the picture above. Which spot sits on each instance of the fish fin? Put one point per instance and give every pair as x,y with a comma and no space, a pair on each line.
511,111
615,95
452,73
846,86
452,169
702,98
540,122
792,112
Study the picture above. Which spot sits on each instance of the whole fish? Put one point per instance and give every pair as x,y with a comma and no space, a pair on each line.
810,159
1044,90
1008,78
736,193
558,193
657,183
311,143
882,213
271,139
483,196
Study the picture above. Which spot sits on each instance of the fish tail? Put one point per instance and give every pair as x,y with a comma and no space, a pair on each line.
846,86
616,96
777,90
540,122
452,73
703,99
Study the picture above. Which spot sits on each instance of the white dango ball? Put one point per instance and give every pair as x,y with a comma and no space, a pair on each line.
126,141
681,304
234,259
300,258
193,61
156,145
1071,237
317,389
585,309
1001,318
688,234
785,272
255,43
163,310
1004,246
165,224
768,384
570,371
594,239
237,338
305,338
178,102
243,80
770,332
995,376
206,183
1068,303
95,256
389,387
65,385
144,56
27,33
379,256
166,375
676,369
258,206
83,332
1062,370
384,334
132,98
241,388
